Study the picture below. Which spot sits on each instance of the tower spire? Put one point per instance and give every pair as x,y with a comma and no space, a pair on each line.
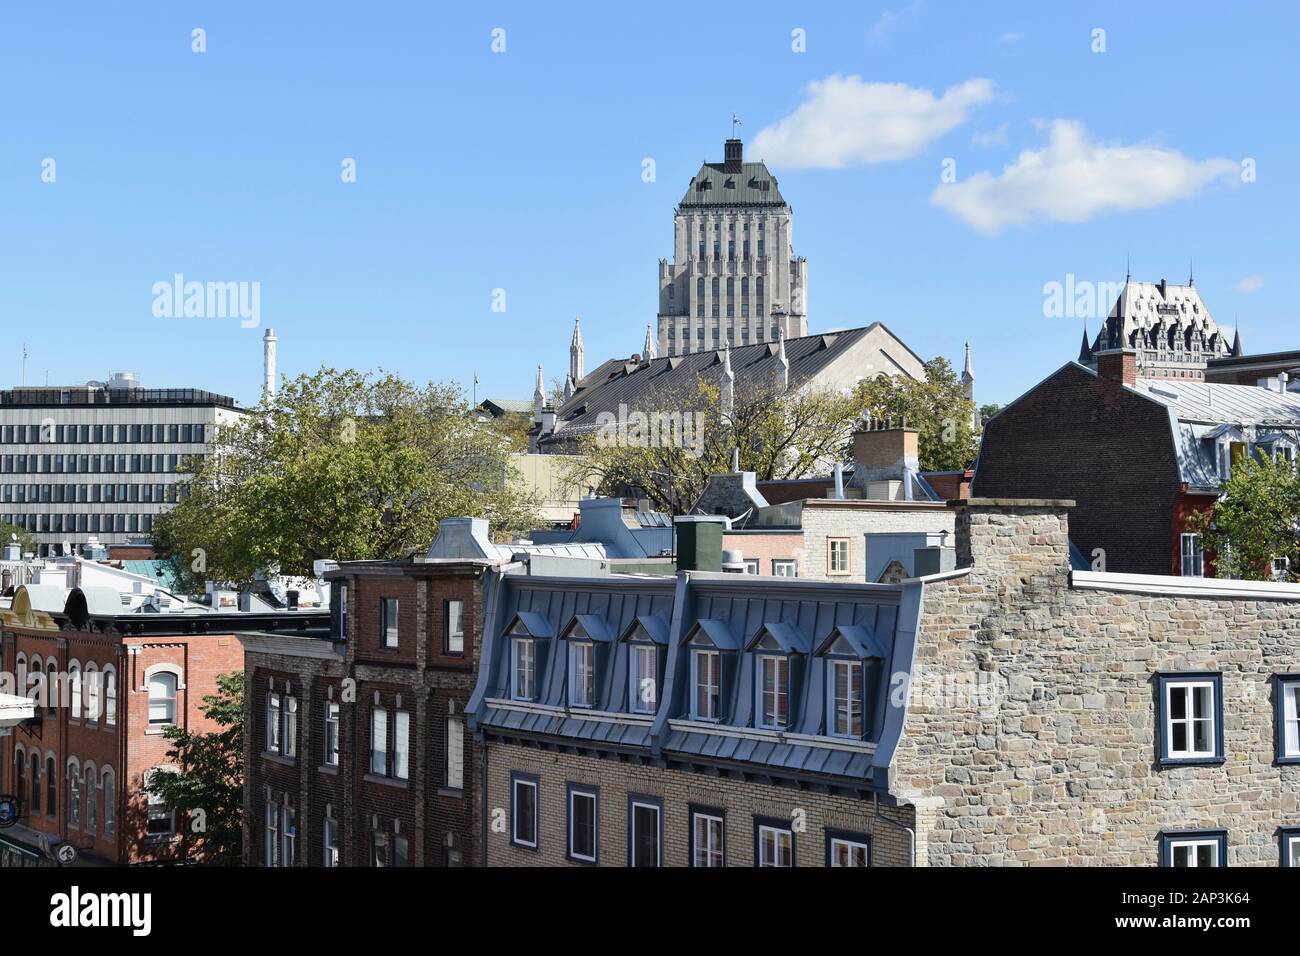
727,400
577,353
648,351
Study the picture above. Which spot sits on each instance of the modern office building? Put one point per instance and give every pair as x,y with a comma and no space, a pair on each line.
100,459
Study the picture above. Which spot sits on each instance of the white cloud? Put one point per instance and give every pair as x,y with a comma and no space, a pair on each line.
1075,177
845,121
890,20
992,137
1250,284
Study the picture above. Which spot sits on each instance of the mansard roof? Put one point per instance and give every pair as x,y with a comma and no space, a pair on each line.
742,615
1148,315
713,185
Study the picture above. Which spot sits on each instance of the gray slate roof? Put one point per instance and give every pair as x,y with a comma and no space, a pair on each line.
661,384
754,185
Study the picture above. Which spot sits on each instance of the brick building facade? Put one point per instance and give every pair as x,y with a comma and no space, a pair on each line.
107,687
356,750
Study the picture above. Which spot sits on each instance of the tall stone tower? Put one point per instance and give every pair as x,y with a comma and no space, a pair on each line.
734,277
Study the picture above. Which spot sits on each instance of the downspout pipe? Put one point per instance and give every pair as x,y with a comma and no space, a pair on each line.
911,833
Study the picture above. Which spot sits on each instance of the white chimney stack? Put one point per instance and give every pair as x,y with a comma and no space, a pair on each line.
268,365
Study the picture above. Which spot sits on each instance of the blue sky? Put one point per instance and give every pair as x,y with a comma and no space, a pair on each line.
522,171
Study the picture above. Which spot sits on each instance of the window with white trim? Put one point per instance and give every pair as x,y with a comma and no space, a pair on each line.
582,824
455,641
74,794
379,741
775,845
162,699
785,567
643,688
272,836
844,698
331,739
523,675
1287,715
1192,563
161,817
847,851
523,812
645,825
582,673
1205,848
288,832
331,841
708,836
773,692
74,686
109,788
455,769
706,680
1190,716
401,744
110,695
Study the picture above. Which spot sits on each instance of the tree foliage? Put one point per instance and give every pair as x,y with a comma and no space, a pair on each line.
1256,521
208,789
669,459
936,407
11,532
345,465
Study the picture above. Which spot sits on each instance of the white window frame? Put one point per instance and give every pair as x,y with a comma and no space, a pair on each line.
640,681
288,832
274,722
753,566
514,812
1192,844
331,843
1293,850
1187,687
1193,557
331,741
401,744
780,690
1289,714
582,685
776,833
272,832
523,650
714,656
852,845
454,764
706,855
833,700
379,741
575,793
455,641
658,829
170,703
785,567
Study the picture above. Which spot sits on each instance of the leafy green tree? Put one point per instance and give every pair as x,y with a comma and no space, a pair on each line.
669,459
987,412
11,532
935,406
1255,522
208,789
342,464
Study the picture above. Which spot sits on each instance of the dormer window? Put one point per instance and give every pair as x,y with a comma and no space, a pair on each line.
588,636
775,647
526,634
773,692
710,642
849,650
645,639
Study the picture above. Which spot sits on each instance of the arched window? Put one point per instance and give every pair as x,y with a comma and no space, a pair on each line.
51,688
93,696
110,800
162,698
51,786
110,697
20,770
74,684
20,672
92,805
162,818
74,792
35,678
36,784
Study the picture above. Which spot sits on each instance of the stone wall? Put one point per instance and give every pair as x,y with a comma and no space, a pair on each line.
1031,736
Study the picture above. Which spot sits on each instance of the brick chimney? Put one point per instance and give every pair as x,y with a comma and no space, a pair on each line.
733,156
1118,365
885,452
